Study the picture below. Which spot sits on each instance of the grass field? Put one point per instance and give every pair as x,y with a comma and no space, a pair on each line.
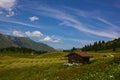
50,66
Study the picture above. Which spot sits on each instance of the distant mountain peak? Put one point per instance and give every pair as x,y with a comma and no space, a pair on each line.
11,41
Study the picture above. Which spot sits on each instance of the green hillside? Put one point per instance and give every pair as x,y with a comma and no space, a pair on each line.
10,41
109,46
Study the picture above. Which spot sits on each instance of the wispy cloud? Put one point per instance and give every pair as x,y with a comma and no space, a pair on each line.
72,21
107,34
108,23
82,42
19,23
1,12
83,13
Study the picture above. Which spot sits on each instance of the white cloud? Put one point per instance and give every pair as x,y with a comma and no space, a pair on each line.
8,5
34,18
33,34
52,39
18,33
36,34
11,13
28,33
49,39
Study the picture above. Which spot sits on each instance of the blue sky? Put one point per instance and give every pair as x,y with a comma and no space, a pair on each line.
61,23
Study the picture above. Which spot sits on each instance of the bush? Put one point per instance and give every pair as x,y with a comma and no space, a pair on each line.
116,60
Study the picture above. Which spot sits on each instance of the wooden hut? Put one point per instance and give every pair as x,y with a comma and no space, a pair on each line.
78,57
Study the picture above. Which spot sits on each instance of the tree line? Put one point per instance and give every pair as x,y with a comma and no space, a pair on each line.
20,50
102,45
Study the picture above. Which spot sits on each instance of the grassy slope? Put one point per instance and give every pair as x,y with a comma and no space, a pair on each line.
50,66
7,41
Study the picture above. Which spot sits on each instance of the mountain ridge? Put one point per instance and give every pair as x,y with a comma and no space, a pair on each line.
12,41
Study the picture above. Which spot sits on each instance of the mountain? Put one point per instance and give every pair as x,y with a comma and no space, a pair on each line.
11,41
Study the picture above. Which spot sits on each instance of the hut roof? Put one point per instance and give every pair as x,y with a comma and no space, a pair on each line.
82,54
